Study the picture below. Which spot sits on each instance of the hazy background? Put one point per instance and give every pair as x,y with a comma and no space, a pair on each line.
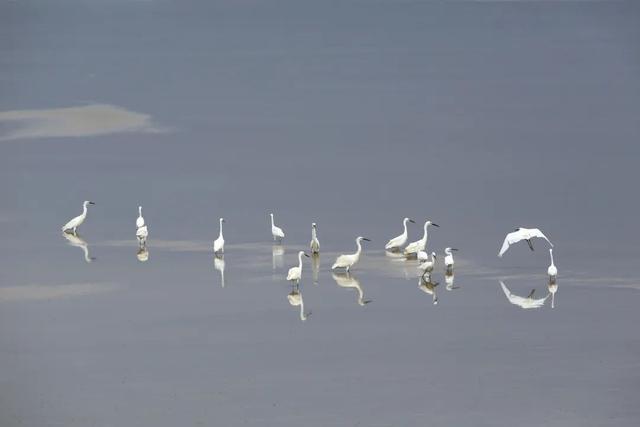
482,116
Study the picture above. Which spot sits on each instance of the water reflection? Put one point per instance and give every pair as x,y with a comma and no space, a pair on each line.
403,263
219,264
278,256
449,280
78,242
524,302
426,285
346,280
553,288
142,254
295,299
315,267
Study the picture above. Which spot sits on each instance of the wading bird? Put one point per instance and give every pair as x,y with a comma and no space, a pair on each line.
140,219
295,273
76,222
349,260
448,259
141,234
397,242
552,271
427,264
419,245
315,244
276,232
522,234
218,244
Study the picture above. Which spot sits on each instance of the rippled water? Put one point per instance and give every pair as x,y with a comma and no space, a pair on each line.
481,117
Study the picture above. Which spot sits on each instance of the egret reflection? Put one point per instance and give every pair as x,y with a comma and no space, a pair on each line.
295,299
142,254
315,267
278,256
449,282
78,242
400,260
426,285
524,302
553,288
219,264
346,280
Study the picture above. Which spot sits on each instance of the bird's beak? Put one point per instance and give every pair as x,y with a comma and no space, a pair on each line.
412,221
364,238
306,255
91,203
453,249
434,224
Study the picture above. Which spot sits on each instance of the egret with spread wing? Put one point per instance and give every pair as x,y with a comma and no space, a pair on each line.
522,234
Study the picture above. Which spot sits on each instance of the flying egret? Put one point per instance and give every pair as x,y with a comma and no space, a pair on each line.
522,234
78,242
348,281
419,245
276,232
348,261
448,259
427,264
218,244
315,244
429,287
295,299
140,219
295,273
141,234
552,271
523,302
76,222
397,242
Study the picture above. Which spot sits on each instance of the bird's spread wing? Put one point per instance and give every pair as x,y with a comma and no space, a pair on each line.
537,233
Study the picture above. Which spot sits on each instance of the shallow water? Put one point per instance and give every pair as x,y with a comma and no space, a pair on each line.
481,117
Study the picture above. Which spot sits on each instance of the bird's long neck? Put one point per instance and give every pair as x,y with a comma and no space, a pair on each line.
551,253
272,224
426,232
220,235
299,261
359,250
84,210
302,315
313,233
139,210
404,224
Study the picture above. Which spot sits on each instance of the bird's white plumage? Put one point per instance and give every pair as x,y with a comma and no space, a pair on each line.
552,271
349,260
523,302
427,265
448,259
140,219
77,221
314,245
521,234
399,241
276,232
218,244
295,273
419,245
141,234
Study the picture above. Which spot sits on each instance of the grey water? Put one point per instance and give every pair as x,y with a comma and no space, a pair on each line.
481,116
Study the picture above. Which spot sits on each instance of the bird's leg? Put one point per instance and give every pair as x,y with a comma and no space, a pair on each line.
530,244
531,293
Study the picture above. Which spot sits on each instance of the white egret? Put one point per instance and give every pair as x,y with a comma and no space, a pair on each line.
348,281
295,273
427,264
140,219
295,299
76,222
348,261
522,234
552,271
419,245
523,302
397,242
141,234
218,244
448,259
78,242
426,285
315,244
276,232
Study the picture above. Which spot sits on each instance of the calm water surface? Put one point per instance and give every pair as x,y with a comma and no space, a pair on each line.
482,116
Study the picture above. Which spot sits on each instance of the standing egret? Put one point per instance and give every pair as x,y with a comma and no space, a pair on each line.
348,261
276,232
448,259
141,234
419,245
218,244
315,244
552,271
426,285
523,302
295,273
76,222
522,234
397,242
140,219
428,264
